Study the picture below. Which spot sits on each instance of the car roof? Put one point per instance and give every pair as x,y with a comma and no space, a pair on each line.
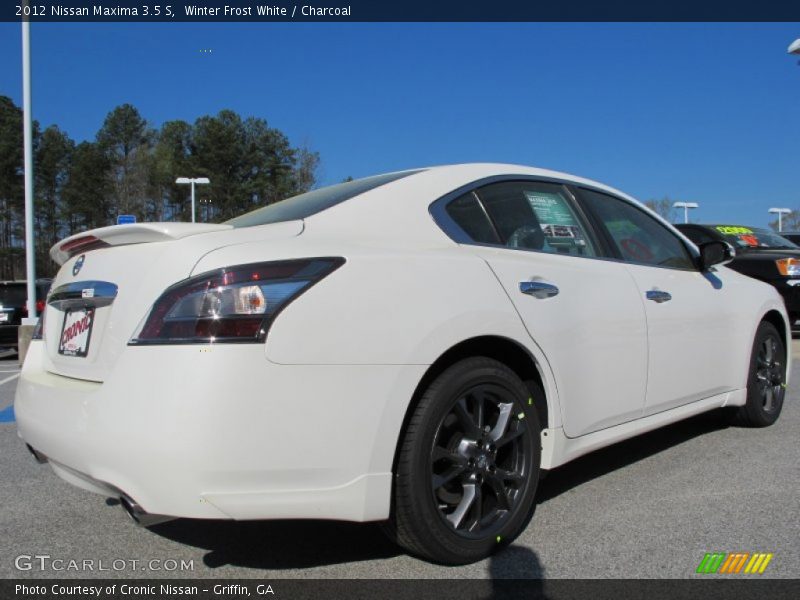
398,210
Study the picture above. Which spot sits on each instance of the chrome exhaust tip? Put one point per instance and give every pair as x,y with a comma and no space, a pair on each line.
139,515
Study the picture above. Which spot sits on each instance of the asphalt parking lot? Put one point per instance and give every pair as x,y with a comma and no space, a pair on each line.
650,507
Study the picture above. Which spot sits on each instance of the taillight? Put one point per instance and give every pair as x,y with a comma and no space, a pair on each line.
235,304
39,307
788,267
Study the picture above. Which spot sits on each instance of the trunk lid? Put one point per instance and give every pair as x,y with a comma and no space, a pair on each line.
110,278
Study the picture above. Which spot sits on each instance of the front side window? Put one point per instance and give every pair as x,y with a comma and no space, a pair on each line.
523,215
639,238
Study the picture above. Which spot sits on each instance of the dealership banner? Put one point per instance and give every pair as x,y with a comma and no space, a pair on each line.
411,589
65,11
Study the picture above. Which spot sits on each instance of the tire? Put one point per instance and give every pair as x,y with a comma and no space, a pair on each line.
766,382
468,464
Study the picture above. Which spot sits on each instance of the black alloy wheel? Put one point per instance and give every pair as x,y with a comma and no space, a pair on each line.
468,464
769,374
766,385
479,460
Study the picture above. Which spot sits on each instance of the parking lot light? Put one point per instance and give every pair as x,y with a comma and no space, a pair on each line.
780,212
192,181
685,206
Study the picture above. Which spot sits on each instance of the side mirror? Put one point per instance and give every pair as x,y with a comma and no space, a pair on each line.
715,253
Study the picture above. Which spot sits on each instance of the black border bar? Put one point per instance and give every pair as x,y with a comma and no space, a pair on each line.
707,587
242,11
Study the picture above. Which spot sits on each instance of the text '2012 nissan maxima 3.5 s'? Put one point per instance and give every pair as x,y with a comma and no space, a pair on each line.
412,348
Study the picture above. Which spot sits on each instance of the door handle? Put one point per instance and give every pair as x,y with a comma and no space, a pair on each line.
538,289
658,296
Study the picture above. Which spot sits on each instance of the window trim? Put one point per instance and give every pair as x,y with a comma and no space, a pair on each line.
606,247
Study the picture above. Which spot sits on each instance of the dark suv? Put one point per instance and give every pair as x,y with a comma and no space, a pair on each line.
761,254
13,296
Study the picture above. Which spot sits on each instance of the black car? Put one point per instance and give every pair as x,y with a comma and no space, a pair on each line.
13,300
792,236
761,254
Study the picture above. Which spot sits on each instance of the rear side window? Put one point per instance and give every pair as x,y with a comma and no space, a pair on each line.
524,215
468,213
512,215
638,237
563,231
310,203
536,216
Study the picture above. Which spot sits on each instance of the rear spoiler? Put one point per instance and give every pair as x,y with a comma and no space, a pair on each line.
120,235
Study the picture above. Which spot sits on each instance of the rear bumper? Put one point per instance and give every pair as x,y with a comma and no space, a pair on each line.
9,336
220,432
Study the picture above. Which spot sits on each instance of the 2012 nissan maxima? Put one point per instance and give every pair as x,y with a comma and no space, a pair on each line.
413,347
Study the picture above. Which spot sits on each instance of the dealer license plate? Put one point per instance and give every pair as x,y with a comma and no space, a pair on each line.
77,332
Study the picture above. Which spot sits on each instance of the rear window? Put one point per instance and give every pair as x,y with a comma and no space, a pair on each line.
310,203
16,294
12,295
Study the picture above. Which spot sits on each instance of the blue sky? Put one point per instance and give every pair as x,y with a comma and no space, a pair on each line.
698,112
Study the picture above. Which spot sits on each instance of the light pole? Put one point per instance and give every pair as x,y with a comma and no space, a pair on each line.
30,252
685,206
193,181
780,212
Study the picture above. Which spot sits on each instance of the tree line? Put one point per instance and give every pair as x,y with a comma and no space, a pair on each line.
789,222
131,167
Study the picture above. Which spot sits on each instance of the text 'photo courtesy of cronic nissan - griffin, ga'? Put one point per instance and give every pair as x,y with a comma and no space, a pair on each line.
415,348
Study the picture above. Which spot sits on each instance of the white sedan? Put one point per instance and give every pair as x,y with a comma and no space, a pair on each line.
413,348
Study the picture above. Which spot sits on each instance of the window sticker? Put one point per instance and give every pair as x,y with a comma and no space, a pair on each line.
733,230
550,208
556,219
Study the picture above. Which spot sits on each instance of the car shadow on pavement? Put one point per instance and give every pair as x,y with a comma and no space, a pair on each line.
516,562
609,459
280,544
287,544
